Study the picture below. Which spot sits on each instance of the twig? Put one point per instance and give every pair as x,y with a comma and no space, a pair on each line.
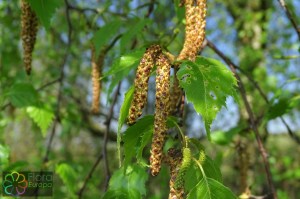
289,15
107,123
261,92
88,177
253,123
61,78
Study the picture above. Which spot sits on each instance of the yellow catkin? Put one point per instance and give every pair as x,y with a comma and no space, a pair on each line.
28,33
162,109
195,14
174,161
97,63
141,83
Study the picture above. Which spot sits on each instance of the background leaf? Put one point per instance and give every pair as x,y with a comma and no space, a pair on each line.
68,176
122,66
105,34
45,9
207,83
22,95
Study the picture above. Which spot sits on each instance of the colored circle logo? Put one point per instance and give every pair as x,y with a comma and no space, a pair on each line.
14,184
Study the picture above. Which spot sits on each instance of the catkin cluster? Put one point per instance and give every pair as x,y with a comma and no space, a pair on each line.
97,63
28,33
174,160
195,13
141,82
162,108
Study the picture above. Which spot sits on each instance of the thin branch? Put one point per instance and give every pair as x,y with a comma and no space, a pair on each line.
61,78
107,123
253,123
89,176
289,15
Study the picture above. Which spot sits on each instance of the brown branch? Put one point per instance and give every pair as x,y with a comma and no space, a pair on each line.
253,123
89,176
289,15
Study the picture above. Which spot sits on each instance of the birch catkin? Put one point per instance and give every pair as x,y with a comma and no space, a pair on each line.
97,63
141,83
194,30
29,27
162,109
174,161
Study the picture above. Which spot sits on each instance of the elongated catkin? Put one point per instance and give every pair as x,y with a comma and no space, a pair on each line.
141,83
162,109
29,26
97,64
194,30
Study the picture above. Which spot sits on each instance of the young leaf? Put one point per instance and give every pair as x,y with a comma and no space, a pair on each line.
41,116
45,9
209,188
22,95
68,176
207,83
134,178
122,193
104,34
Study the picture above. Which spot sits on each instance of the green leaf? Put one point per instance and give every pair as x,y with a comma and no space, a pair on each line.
41,116
211,170
134,28
68,176
134,178
122,194
122,117
22,95
125,107
105,33
224,138
122,66
209,188
207,83
137,136
279,108
132,136
45,9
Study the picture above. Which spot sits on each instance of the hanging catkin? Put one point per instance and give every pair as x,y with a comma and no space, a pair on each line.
141,83
97,63
28,33
174,160
162,109
195,14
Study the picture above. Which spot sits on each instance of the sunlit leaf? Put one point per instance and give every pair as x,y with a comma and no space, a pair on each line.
209,188
207,83
41,116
